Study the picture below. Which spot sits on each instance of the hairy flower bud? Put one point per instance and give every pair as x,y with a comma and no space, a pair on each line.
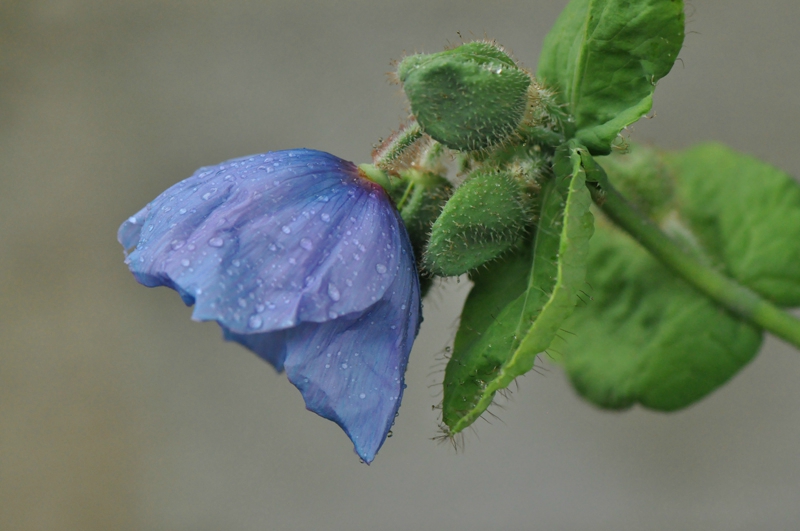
487,215
467,98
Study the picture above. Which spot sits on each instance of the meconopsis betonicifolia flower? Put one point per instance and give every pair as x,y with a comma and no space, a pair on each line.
305,262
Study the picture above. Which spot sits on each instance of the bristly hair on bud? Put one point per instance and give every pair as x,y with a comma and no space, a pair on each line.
486,216
468,98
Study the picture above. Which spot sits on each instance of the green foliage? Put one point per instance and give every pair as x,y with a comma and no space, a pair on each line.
467,98
680,286
518,304
604,58
649,337
746,214
486,216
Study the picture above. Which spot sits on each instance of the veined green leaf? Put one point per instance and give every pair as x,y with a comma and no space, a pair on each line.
746,213
605,57
518,303
649,337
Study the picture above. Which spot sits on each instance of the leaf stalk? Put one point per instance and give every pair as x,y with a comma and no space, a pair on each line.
736,298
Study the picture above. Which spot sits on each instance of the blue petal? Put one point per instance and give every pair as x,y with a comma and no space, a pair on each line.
270,347
351,370
302,261
266,242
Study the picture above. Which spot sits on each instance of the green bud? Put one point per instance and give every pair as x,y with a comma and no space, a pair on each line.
467,98
487,215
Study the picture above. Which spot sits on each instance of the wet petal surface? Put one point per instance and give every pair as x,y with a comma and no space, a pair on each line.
266,242
301,260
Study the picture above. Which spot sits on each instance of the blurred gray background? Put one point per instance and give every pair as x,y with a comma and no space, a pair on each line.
118,412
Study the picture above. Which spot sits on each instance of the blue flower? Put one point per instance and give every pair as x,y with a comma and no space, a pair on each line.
305,262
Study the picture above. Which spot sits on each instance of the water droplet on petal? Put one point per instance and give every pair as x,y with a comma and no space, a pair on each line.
185,262
344,365
177,244
362,396
286,229
325,217
332,314
389,435
216,242
333,292
380,268
306,244
255,321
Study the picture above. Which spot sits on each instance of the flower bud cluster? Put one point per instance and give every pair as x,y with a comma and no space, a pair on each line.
492,115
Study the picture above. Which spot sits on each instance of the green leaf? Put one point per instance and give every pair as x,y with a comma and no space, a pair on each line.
604,57
647,336
746,213
518,303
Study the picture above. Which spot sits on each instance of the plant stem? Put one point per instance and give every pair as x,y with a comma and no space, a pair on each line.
396,145
738,299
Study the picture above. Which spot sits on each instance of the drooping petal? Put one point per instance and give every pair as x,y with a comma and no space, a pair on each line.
269,346
266,242
302,261
351,370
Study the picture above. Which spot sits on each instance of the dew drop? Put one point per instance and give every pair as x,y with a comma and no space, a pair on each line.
333,292
389,435
362,396
216,242
177,244
242,303
185,262
344,365
236,263
254,321
332,314
380,268
306,244
286,229
325,217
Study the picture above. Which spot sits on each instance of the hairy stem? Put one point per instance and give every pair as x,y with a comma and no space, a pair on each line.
395,147
738,299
